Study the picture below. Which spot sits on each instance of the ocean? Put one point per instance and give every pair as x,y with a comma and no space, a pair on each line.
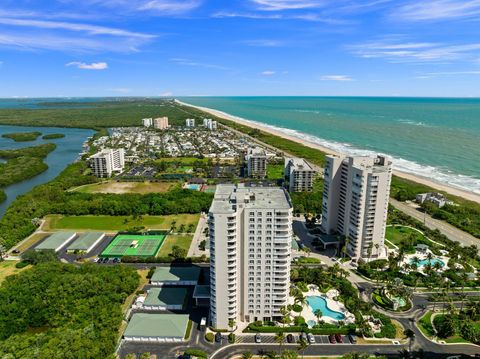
436,138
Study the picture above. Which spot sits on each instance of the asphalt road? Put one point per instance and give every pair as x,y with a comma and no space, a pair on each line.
450,231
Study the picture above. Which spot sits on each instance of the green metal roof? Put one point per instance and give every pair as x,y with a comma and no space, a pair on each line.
166,296
295,245
157,325
85,241
55,240
165,274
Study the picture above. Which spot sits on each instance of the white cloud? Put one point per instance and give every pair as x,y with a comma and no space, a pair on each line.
170,6
166,94
396,51
263,43
89,29
188,62
336,78
437,10
268,73
92,66
278,5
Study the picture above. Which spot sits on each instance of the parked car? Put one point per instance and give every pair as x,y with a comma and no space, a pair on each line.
258,338
290,338
218,337
352,338
331,338
339,338
311,338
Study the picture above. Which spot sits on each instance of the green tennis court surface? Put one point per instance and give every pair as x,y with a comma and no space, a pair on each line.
134,245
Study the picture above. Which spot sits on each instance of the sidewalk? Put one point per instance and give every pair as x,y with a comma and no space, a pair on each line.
194,250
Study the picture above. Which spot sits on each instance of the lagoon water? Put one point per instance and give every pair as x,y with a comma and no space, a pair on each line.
437,138
66,152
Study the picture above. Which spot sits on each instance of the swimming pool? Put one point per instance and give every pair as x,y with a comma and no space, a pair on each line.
432,262
317,302
192,186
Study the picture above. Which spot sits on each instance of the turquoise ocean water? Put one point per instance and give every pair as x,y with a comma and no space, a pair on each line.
437,138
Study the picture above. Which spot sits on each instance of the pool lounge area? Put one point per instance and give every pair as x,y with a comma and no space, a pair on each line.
423,261
333,311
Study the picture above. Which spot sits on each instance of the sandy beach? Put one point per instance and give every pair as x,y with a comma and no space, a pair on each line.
426,181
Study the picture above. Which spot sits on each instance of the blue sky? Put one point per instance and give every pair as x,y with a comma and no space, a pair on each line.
231,47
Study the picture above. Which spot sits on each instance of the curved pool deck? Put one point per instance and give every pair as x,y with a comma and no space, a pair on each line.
319,302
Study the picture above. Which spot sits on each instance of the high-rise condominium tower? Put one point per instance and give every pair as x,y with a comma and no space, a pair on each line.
250,247
355,202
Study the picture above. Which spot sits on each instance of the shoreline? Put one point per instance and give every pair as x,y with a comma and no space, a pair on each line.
408,176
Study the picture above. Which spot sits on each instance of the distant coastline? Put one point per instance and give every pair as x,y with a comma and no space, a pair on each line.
278,132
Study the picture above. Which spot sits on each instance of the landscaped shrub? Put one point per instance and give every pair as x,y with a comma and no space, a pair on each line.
21,264
231,338
297,308
209,337
196,353
445,326
299,320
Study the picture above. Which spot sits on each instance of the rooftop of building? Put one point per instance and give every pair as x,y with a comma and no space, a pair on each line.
257,152
85,241
166,296
169,274
55,240
229,196
157,325
376,163
299,164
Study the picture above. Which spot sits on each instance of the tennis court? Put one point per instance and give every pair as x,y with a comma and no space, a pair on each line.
134,245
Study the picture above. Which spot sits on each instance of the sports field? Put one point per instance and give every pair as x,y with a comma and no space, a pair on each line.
134,245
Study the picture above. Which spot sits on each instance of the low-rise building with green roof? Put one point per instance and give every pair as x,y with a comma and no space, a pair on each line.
163,298
56,241
176,276
146,327
86,242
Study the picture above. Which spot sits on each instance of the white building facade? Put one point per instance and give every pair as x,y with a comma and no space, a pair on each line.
210,124
250,247
190,122
107,162
299,175
147,122
256,162
355,202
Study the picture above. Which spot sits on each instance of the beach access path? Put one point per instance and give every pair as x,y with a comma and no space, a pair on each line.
450,231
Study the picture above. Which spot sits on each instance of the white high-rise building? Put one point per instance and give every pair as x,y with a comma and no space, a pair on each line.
210,124
160,123
250,250
355,202
190,122
107,162
299,175
147,122
256,162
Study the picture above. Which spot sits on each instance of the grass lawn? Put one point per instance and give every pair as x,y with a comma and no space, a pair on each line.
127,187
399,329
275,171
183,241
8,268
425,324
33,239
143,281
116,223
397,234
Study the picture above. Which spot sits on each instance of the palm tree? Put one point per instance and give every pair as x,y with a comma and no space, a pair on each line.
369,250
404,354
302,345
318,313
270,355
280,339
302,301
410,334
416,261
247,355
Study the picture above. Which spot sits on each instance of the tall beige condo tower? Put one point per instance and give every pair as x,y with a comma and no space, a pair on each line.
256,162
160,123
355,202
250,247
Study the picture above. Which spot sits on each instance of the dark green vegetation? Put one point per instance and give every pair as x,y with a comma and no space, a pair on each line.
56,310
22,136
51,198
455,325
22,164
34,151
3,195
464,214
108,113
53,136
309,202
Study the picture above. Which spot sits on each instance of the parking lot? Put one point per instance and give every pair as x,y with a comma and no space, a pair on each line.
270,339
